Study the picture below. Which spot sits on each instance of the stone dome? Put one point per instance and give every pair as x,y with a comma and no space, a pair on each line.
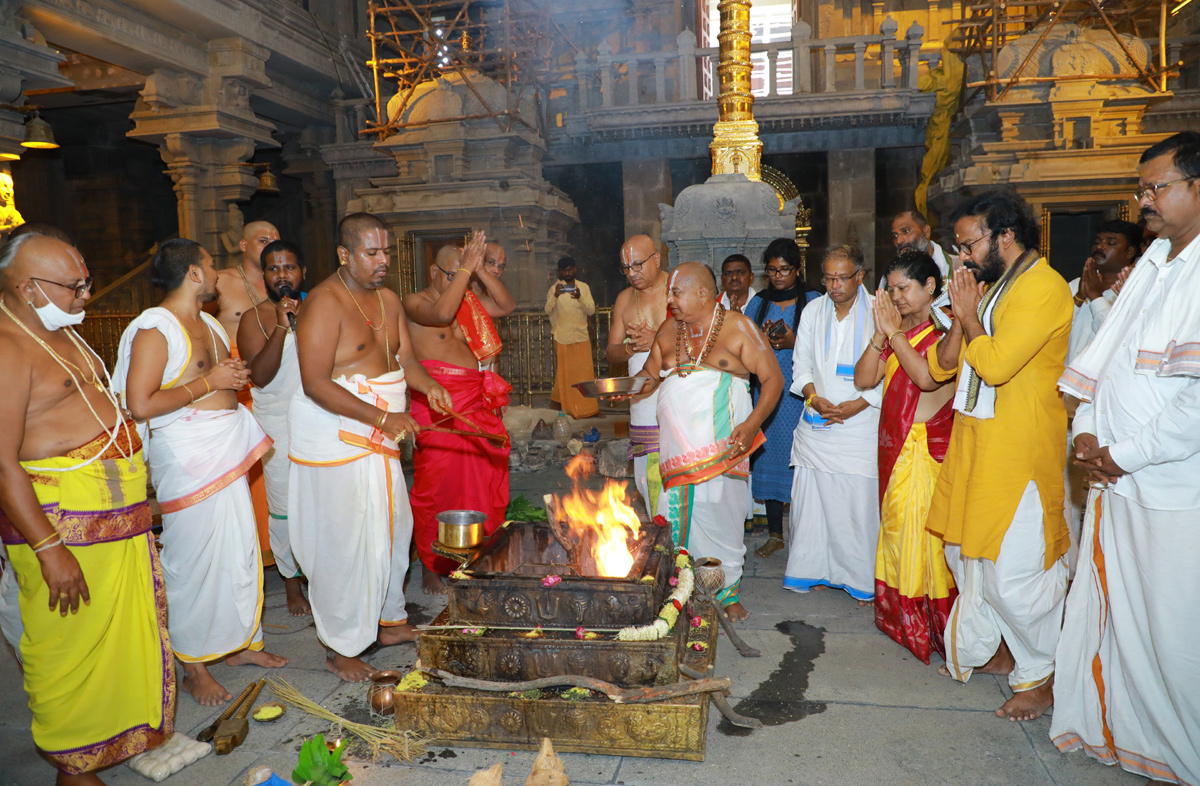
449,96
1067,51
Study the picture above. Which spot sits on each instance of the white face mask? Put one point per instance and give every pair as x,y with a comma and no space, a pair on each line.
53,317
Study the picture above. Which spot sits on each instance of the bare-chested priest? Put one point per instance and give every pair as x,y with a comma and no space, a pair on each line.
348,512
239,289
639,310
455,340
175,374
77,526
707,428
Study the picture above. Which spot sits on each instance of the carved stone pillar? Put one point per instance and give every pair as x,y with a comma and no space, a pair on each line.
206,130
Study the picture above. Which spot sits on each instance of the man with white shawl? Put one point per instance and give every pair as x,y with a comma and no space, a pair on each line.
998,502
267,345
707,428
1128,683
348,513
638,312
175,376
835,490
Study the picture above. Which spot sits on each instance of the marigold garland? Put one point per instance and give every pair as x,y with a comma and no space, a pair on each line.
670,610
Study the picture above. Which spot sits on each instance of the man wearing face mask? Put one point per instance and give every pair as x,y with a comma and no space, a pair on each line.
268,346
175,373
998,502
77,526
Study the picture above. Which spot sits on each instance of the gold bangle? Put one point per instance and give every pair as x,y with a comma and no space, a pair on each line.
51,536
207,389
877,349
895,333
462,270
383,417
191,395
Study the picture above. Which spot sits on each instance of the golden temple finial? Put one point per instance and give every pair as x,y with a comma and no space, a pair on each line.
736,147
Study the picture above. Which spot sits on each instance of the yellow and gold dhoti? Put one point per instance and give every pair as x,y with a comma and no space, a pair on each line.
101,682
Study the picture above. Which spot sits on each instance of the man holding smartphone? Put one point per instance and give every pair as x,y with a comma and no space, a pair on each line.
569,304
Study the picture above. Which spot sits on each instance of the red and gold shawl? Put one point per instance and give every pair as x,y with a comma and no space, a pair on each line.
478,328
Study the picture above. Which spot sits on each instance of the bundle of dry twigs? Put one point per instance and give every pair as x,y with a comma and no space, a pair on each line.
402,744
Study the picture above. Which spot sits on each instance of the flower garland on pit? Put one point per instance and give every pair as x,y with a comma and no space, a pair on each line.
670,610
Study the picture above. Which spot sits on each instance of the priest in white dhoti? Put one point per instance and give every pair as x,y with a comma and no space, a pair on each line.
266,342
638,312
835,490
175,376
348,513
707,425
1127,688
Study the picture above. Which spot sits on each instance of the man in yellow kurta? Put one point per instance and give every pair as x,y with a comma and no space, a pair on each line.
569,304
998,501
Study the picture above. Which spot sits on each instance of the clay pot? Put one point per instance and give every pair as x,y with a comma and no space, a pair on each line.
382,693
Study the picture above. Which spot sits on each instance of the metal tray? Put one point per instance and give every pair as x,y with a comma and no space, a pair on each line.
612,386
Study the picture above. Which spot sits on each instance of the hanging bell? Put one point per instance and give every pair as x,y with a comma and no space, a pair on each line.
38,134
267,184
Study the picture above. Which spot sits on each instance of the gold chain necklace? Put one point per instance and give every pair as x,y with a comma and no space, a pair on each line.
387,344
212,338
714,329
254,298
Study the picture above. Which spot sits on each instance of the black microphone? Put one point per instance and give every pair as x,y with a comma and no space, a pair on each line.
286,291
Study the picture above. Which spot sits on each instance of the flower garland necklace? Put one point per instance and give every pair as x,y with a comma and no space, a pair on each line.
714,330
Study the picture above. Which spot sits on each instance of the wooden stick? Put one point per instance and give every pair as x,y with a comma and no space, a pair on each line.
513,627
485,434
720,701
618,695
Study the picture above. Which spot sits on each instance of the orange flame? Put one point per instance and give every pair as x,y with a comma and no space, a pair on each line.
606,514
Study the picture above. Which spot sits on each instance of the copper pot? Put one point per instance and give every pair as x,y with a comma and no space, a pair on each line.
460,529
382,693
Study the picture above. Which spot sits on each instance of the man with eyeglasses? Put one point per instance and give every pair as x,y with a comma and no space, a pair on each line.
737,281
998,502
637,314
1128,684
454,338
911,232
74,514
835,487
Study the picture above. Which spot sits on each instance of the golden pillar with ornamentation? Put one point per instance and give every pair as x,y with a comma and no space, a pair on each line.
736,148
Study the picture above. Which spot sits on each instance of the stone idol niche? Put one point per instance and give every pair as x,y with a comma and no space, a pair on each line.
540,600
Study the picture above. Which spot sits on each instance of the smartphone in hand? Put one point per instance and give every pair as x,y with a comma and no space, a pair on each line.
777,329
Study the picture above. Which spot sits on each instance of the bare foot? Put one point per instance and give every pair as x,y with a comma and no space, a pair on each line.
252,658
432,583
862,603
202,687
772,545
1029,704
736,612
819,587
296,602
82,779
348,669
944,671
390,635
1001,663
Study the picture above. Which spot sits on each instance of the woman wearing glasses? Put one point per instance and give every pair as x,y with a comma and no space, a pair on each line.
776,311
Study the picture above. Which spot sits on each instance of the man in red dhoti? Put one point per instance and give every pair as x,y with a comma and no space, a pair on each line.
454,338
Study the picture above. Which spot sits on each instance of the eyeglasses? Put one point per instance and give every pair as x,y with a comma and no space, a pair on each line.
1151,191
838,279
636,267
965,248
449,276
79,289
779,272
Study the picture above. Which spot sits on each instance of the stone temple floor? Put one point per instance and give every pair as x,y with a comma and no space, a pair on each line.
845,705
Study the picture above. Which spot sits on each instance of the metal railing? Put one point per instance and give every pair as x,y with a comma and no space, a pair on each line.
527,360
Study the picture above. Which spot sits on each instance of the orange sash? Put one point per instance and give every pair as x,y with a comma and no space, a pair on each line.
478,328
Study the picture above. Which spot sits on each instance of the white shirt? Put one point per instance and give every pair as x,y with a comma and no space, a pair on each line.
749,296
849,448
1150,424
939,258
1087,319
